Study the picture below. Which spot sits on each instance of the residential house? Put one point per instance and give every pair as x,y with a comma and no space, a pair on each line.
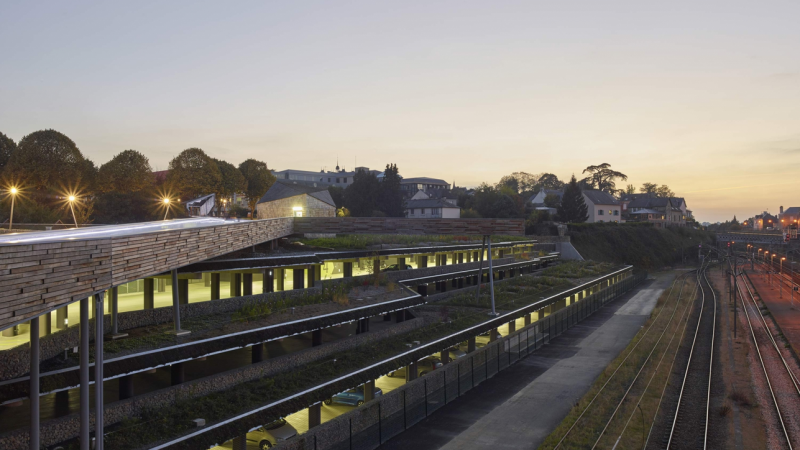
411,186
339,177
603,207
766,221
538,198
201,206
432,208
790,217
293,199
671,211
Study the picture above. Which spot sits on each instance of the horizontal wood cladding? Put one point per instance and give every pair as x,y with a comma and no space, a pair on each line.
35,278
397,225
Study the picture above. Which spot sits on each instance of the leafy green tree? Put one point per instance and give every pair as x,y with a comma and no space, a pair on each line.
259,179
390,197
658,191
115,207
548,181
573,208
361,196
47,161
233,182
551,200
602,177
193,174
500,203
630,189
337,194
7,147
470,214
128,171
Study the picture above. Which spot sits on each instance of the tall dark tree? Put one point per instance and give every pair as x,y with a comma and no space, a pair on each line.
193,173
232,182
129,171
48,161
361,197
548,181
337,194
573,208
7,147
390,196
259,180
500,203
603,178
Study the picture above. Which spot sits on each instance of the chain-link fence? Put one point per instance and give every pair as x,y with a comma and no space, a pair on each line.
368,427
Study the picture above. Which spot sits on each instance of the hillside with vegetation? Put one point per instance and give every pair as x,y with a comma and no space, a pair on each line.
645,247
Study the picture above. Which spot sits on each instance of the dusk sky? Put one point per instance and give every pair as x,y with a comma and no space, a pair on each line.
702,96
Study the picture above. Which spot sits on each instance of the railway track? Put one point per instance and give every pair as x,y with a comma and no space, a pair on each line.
781,375
690,422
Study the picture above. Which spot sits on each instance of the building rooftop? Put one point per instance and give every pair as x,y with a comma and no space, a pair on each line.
285,189
430,203
600,197
424,180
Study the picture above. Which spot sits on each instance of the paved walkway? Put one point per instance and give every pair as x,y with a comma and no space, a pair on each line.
519,407
784,310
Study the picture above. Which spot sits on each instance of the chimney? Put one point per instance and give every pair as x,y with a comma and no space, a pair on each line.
781,209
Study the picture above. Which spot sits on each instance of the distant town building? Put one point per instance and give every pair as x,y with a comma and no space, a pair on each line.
201,206
537,199
411,186
422,205
661,211
603,207
339,177
295,199
766,221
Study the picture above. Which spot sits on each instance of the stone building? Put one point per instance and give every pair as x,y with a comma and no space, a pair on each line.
291,199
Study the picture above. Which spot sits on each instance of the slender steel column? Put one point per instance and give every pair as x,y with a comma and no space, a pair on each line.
176,307
114,311
34,387
98,371
480,270
491,274
84,356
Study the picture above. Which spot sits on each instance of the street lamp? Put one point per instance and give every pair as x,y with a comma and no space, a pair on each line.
166,207
13,192
780,278
71,200
771,265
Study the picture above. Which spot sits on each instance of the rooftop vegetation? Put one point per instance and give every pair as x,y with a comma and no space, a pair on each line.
364,241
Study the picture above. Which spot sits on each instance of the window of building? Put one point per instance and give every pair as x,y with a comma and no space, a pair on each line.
412,211
345,180
422,211
599,212
286,176
337,180
616,212
329,180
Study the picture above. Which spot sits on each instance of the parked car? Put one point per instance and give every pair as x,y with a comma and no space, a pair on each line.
483,339
456,353
353,397
396,267
271,434
425,365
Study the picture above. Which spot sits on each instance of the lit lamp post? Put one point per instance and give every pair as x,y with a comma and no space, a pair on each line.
780,278
771,265
166,207
72,199
13,191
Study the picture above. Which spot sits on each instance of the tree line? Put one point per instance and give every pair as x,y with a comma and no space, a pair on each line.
48,167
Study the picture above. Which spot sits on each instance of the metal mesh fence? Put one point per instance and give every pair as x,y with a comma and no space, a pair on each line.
498,356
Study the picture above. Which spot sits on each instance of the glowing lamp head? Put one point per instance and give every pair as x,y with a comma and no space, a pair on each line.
71,198
166,201
13,191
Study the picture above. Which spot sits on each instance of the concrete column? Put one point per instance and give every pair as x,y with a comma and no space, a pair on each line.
444,356
527,319
177,374
61,318
423,261
215,286
125,387
454,283
314,415
46,322
512,326
411,371
500,253
236,284
316,338
312,269
84,374
369,390
460,258
460,283
114,311
493,335
149,293
247,281
317,273
399,316
256,353
33,390
279,279
501,274
467,256
268,283
183,291
471,344
298,277
422,290
376,266
99,409
401,263
347,268
176,308
442,260
443,286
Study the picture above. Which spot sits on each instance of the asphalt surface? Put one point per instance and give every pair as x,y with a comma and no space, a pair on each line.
519,407
109,231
